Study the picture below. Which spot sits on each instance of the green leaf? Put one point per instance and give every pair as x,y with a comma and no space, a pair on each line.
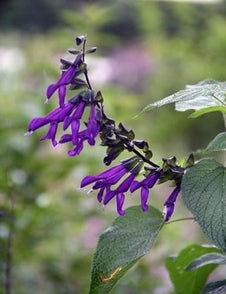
204,193
205,94
122,245
218,143
189,282
210,258
202,111
215,287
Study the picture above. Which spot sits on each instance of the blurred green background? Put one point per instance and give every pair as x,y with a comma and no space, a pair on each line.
146,51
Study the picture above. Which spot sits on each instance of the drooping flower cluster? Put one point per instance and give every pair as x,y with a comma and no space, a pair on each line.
69,114
116,181
105,181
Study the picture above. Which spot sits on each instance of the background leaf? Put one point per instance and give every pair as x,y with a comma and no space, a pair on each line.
204,193
215,287
189,282
123,244
210,258
205,94
218,143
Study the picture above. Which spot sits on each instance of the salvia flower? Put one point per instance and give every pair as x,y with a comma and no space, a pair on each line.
107,179
58,115
66,78
145,185
69,115
170,203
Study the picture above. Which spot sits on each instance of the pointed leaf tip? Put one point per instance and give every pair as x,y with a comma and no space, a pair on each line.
122,245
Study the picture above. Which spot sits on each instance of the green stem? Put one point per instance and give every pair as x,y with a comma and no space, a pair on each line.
180,219
218,99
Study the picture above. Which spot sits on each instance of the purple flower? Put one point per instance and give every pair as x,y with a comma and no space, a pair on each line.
66,78
93,125
170,202
69,115
145,185
105,180
78,137
51,134
58,115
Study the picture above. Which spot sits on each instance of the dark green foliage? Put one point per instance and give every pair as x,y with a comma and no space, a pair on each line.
123,244
184,281
204,193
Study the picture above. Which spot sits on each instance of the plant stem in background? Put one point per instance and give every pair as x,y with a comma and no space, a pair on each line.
8,266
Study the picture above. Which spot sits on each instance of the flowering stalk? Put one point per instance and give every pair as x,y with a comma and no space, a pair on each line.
69,115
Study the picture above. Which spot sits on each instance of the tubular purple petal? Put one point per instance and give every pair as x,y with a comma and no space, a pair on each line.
75,124
135,185
51,134
93,133
111,171
76,150
63,112
87,181
99,184
170,202
116,177
124,186
53,114
59,114
120,198
79,147
92,126
67,122
50,90
173,196
67,76
100,194
151,180
168,211
37,123
109,195
144,198
65,79
62,94
65,138
79,111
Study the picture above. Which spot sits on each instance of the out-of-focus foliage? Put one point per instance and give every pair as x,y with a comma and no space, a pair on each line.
146,51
